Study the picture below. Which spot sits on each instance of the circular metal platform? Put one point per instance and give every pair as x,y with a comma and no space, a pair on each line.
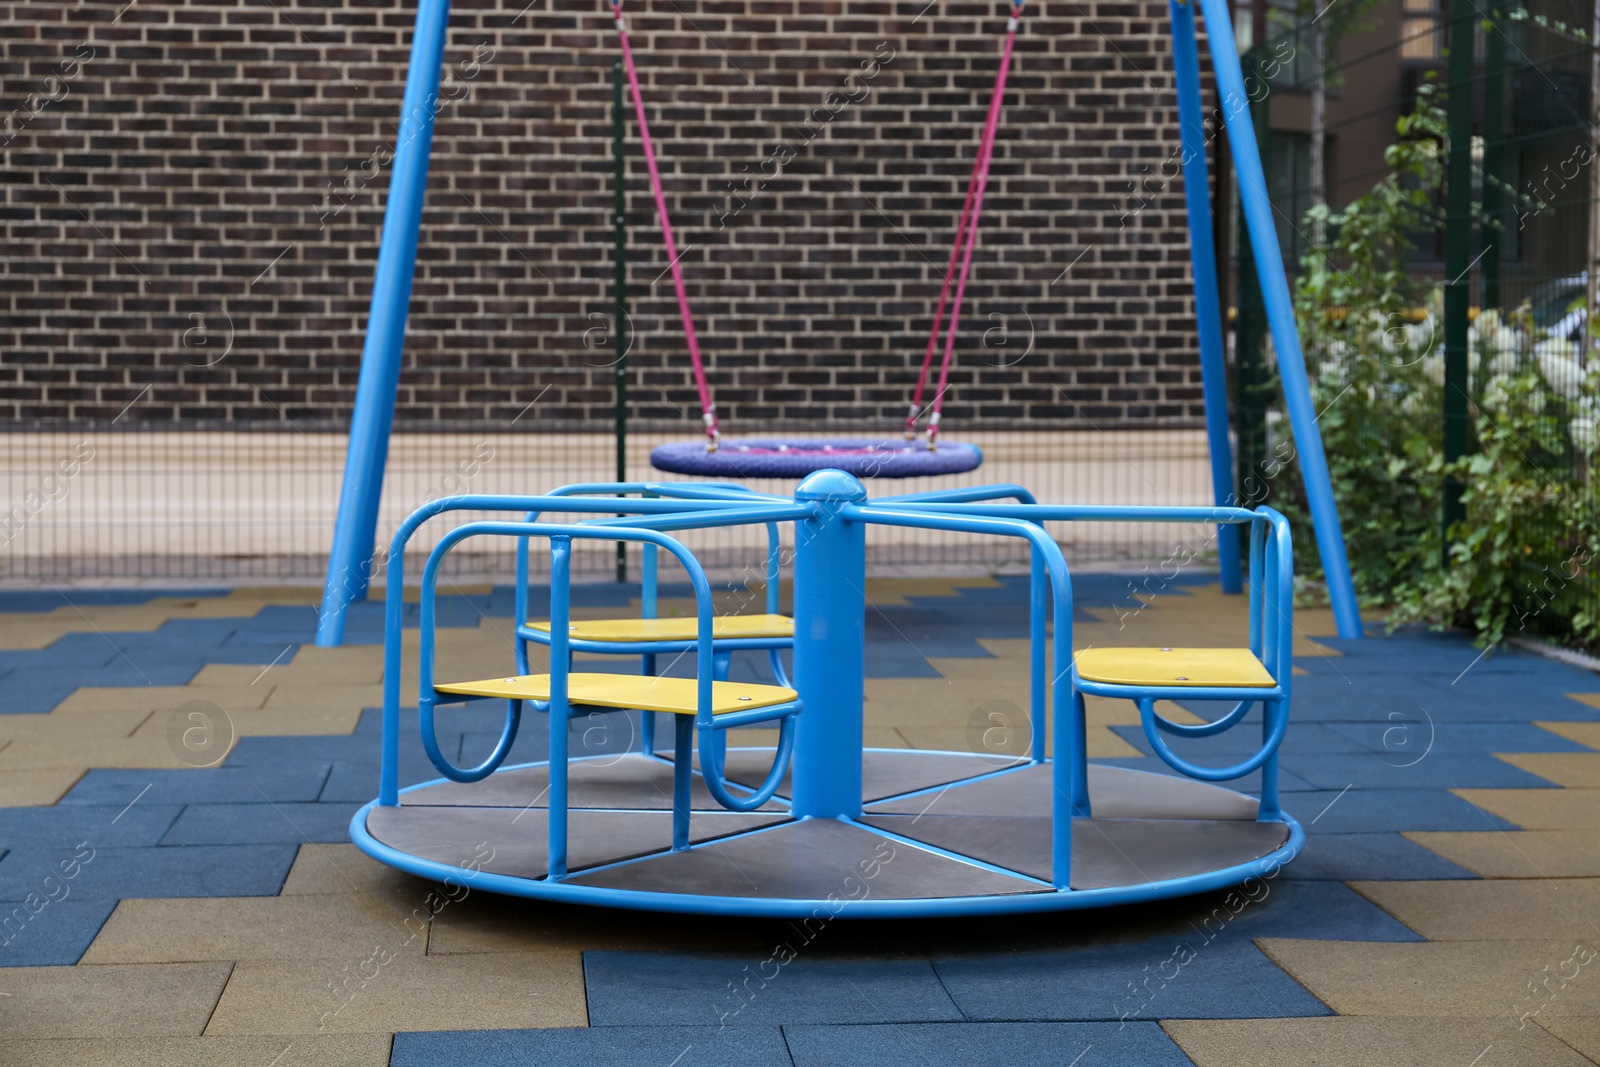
940,833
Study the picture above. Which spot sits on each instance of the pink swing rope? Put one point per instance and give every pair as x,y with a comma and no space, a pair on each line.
708,410
970,231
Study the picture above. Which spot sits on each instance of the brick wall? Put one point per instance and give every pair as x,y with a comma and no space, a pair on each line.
192,195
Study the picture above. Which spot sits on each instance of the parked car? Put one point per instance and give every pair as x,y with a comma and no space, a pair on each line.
1554,313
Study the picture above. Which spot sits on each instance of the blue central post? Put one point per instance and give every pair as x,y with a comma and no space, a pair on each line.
830,612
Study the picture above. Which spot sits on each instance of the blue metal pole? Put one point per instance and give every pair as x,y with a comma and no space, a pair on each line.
830,563
1203,261
350,562
560,705
1257,210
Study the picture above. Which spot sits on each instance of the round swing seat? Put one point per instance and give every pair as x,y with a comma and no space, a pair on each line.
779,457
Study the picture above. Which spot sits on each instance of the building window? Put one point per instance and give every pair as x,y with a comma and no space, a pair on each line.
1421,31
1288,165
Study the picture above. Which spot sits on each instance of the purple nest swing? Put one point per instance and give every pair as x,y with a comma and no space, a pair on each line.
786,457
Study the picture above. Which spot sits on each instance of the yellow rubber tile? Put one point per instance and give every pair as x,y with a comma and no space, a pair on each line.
485,922
145,1000
148,698
344,868
1584,733
1591,699
58,723
482,991
1582,1034
1531,809
67,751
1457,979
1574,770
303,1050
1518,853
1532,909
343,927
270,722
1367,1042
37,788
323,698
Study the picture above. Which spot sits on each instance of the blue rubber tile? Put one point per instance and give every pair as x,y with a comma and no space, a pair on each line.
1403,740
102,825
1281,907
30,600
212,785
78,651
1177,977
50,933
1362,857
192,871
353,783
261,824
1376,810
30,694
645,988
598,1046
1435,770
985,1044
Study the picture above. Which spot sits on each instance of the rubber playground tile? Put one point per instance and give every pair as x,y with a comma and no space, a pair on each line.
374,993
1569,770
76,751
1586,734
1520,853
1452,979
210,785
321,869
18,601
1435,770
260,824
1530,809
49,932
1524,909
1181,976
37,787
1357,1041
1281,907
600,1046
1375,857
343,928
1340,811
166,871
985,1044
1582,1033
487,922
147,1000
303,1050
760,989
1405,740
101,825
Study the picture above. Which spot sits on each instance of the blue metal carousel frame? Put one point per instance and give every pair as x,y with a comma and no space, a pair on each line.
819,823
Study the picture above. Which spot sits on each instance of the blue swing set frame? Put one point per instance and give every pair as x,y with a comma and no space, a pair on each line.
350,561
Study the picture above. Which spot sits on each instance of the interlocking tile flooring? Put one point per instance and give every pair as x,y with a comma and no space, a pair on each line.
155,912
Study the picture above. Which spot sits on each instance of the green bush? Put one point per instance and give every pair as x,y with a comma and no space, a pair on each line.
1517,561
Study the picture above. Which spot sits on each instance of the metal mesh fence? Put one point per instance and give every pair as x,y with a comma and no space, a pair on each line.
220,505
